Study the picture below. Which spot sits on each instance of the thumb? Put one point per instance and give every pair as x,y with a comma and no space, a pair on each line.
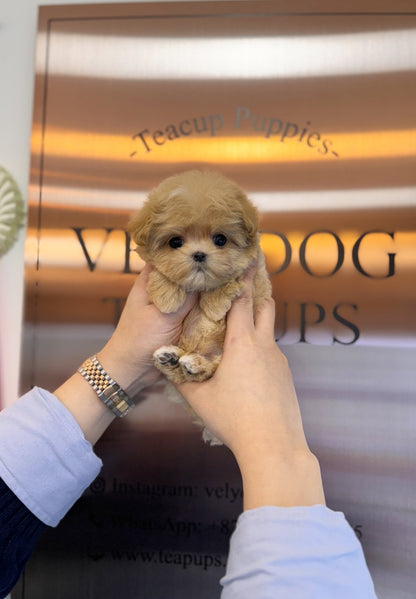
138,292
240,315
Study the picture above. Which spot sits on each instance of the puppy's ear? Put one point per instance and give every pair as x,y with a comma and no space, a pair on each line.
139,227
250,217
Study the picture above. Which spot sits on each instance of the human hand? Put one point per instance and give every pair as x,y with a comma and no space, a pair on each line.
127,357
142,328
250,404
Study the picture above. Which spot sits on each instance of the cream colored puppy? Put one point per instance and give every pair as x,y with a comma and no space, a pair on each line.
200,233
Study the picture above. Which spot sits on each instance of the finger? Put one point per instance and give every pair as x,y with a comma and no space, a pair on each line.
240,314
190,392
250,273
265,318
139,290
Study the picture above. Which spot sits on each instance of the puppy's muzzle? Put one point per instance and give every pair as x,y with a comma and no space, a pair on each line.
199,256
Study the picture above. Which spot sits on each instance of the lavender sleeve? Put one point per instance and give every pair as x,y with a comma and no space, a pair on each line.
295,553
44,457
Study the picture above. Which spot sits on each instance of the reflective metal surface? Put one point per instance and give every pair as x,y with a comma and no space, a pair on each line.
312,112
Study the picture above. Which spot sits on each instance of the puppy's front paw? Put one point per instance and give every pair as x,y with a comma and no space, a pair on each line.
166,296
169,302
166,358
216,303
196,367
215,311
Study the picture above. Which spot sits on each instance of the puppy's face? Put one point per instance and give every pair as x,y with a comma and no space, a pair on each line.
197,229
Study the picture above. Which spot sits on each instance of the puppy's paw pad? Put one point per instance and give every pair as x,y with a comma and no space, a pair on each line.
167,356
192,364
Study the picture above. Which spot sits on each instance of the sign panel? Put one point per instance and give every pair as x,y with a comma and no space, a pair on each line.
312,113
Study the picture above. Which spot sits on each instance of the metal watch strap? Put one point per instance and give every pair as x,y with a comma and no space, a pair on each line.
110,392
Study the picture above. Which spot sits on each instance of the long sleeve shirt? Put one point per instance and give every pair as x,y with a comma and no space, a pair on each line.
275,553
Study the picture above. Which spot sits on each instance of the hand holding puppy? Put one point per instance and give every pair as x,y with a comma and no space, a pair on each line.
141,329
250,403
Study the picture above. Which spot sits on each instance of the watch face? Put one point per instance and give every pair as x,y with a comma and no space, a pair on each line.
12,211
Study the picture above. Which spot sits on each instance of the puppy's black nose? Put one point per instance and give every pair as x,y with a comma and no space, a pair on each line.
199,256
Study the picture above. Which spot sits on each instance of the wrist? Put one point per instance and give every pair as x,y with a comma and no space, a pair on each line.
284,480
106,388
80,399
121,368
81,394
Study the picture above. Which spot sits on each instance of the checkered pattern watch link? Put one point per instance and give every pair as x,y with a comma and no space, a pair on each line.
110,392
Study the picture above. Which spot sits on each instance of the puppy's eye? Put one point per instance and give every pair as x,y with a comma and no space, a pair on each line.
219,239
176,242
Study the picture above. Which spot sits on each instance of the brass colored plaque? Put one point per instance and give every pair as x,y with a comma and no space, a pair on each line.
311,111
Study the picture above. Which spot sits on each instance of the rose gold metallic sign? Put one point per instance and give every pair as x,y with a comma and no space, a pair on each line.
312,112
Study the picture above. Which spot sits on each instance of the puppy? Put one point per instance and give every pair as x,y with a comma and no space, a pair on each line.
200,233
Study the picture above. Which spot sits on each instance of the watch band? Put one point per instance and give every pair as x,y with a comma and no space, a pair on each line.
110,392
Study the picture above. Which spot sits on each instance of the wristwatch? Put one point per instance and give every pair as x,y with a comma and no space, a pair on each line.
110,392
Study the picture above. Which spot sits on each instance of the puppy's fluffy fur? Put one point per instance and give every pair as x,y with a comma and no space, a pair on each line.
199,231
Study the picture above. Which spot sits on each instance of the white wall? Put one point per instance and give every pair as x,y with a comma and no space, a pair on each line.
18,24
